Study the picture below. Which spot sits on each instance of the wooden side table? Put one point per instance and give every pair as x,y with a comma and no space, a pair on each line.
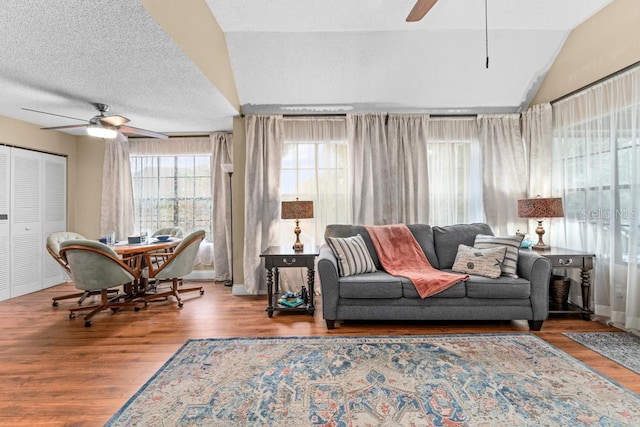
276,257
569,258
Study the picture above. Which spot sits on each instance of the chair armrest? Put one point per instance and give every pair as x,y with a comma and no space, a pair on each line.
537,270
329,282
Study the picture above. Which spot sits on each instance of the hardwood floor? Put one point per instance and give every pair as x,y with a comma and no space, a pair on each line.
54,371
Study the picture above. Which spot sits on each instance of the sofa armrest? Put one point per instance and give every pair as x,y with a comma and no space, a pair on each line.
537,270
329,282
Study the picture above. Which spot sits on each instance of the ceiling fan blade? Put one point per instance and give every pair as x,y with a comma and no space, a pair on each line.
64,127
53,114
142,132
114,120
420,9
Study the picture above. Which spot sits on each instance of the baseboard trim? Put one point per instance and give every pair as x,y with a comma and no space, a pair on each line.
240,290
200,275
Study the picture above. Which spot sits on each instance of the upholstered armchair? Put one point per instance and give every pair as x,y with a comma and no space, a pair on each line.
169,231
174,265
53,247
96,267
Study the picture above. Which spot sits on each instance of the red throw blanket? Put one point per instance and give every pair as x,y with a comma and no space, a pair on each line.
401,255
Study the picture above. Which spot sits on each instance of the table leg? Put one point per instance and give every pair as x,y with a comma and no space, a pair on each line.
585,285
311,275
270,292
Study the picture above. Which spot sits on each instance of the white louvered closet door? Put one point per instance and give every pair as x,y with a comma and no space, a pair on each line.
26,222
54,214
5,185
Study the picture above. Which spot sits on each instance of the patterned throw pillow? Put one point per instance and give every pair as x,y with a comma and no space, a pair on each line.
512,243
481,262
352,255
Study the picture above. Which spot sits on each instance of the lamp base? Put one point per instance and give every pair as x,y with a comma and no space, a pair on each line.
540,247
298,246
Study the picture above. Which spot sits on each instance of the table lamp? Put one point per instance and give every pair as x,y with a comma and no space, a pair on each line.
539,208
300,209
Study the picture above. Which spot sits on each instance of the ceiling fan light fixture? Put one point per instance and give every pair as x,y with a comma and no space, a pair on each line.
100,131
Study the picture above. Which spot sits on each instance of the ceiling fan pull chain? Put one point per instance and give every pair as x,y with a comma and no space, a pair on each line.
486,33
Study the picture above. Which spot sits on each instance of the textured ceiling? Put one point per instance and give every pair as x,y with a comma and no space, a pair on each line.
61,56
286,56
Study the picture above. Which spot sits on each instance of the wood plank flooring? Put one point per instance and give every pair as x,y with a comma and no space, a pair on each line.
56,372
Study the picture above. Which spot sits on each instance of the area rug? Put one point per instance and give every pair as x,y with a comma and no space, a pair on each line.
621,347
449,380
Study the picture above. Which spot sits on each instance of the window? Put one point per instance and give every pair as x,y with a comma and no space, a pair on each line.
315,167
455,176
596,169
172,191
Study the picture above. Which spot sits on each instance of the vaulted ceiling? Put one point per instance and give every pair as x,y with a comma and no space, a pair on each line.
282,56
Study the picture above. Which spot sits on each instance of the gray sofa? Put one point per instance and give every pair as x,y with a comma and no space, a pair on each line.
381,296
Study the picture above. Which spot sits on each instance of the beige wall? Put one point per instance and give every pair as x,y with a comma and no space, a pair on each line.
604,44
25,135
89,186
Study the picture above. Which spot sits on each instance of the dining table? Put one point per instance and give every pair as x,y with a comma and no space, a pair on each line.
133,253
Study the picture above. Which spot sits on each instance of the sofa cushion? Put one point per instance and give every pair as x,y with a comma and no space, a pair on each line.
446,240
501,288
424,236
370,285
456,291
347,230
482,262
512,243
352,255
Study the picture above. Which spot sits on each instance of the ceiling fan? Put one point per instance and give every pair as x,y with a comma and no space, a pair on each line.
420,9
103,126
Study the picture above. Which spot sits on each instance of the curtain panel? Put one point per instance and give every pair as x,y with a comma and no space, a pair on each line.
504,171
370,170
116,210
221,152
264,141
537,133
407,136
596,152
174,146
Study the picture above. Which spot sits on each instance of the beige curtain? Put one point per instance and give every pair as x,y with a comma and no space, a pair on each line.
116,212
504,171
537,132
370,175
407,136
596,170
222,152
264,141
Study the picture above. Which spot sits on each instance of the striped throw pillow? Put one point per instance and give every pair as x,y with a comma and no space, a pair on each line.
512,243
352,255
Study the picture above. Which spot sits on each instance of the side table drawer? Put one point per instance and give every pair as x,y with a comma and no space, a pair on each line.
289,261
570,261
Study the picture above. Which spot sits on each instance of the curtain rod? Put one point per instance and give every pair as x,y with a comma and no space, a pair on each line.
600,80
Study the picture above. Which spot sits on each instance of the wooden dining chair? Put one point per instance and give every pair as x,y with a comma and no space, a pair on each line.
53,247
174,266
95,267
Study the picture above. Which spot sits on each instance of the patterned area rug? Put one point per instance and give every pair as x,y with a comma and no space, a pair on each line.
621,347
453,380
